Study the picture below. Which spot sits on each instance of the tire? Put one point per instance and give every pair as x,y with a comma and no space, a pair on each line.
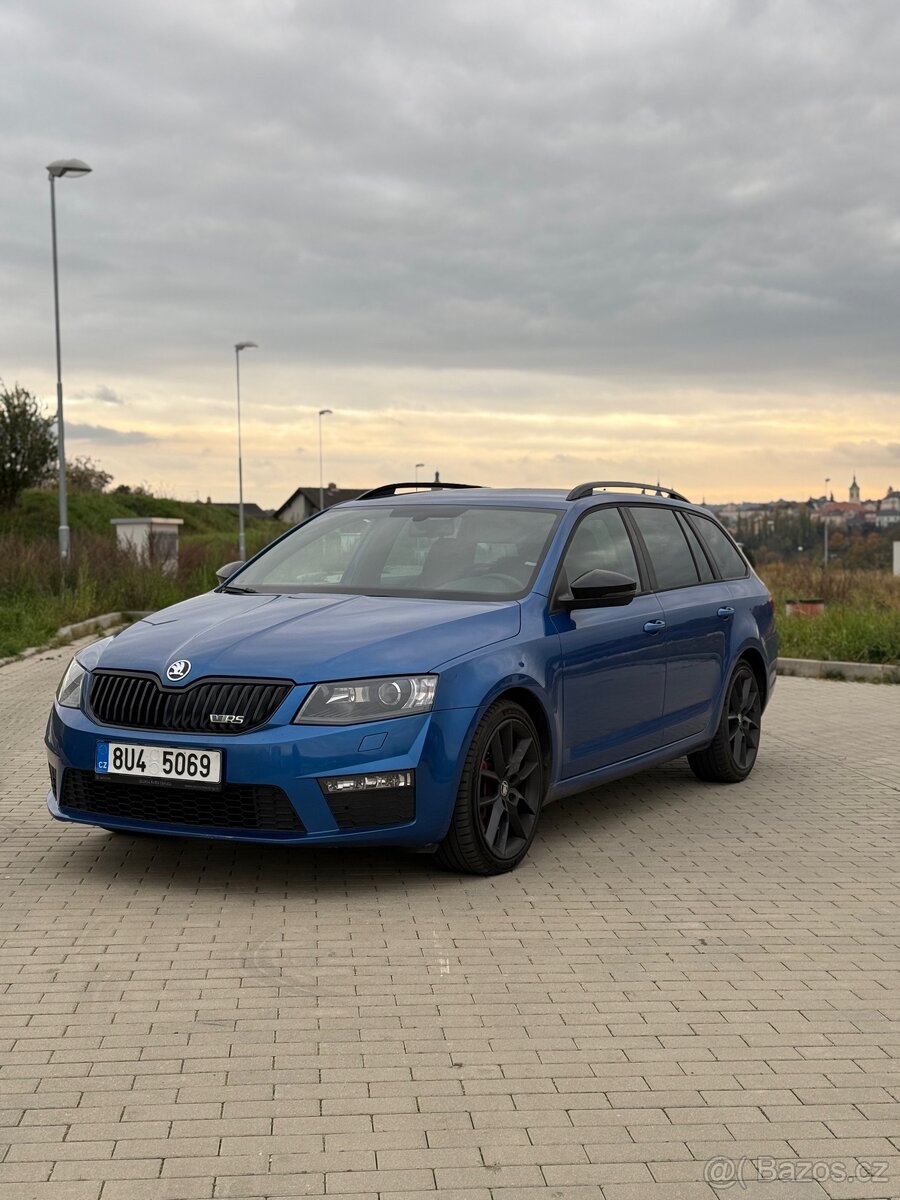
730,756
501,793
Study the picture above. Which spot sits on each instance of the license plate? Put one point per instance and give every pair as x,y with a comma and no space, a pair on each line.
159,763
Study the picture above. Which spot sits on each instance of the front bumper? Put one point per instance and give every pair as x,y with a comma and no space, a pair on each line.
291,758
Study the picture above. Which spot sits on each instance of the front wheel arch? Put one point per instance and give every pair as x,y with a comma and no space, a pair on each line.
500,794
535,709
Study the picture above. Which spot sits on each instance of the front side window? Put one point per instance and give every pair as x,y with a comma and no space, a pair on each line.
438,550
669,552
601,543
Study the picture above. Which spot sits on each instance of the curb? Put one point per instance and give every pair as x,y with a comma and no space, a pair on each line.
70,633
812,668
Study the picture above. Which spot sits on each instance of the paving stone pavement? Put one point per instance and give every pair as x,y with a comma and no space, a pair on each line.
679,973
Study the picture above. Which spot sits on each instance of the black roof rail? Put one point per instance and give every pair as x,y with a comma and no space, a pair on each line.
391,489
587,489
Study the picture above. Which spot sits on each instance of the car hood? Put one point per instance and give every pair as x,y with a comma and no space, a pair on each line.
309,638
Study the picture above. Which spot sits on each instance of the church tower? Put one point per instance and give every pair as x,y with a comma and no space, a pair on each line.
854,491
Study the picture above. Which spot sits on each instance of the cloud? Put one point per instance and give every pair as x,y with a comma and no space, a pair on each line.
570,208
101,394
103,433
869,450
577,187
106,395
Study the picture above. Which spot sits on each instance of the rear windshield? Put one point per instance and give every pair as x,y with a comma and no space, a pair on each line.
462,552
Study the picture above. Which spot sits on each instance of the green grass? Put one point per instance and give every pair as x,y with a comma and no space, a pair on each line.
842,635
36,514
861,622
36,598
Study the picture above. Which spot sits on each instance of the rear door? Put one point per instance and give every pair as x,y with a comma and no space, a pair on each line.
614,659
697,608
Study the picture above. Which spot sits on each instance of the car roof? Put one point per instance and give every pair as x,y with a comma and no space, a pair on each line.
521,497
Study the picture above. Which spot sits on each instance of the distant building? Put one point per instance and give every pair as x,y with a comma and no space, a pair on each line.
304,502
877,513
888,510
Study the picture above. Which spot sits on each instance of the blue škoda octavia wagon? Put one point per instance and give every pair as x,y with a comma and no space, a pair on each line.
425,669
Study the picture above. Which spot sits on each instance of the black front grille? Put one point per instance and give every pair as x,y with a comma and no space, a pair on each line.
139,701
236,806
371,810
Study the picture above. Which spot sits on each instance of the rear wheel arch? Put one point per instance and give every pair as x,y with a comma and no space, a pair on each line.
757,665
731,755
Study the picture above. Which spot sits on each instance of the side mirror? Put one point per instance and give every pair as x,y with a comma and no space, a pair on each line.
600,589
225,573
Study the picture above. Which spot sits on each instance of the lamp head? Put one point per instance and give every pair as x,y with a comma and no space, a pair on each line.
68,166
245,346
324,412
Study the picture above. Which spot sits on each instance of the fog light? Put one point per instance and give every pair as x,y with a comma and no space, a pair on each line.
376,782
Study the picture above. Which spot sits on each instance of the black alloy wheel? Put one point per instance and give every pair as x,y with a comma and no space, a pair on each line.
501,792
730,756
744,716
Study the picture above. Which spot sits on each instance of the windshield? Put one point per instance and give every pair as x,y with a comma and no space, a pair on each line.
461,552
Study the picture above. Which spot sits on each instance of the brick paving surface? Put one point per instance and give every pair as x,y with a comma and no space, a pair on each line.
679,972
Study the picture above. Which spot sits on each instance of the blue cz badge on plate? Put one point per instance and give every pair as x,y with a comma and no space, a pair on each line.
101,763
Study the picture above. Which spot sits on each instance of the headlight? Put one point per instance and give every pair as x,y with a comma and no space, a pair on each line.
367,700
68,694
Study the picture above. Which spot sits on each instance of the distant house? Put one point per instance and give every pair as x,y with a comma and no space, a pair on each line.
880,513
305,502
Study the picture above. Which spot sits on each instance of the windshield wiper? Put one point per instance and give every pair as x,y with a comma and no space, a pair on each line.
238,591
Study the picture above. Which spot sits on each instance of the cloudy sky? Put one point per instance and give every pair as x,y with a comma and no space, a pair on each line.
518,242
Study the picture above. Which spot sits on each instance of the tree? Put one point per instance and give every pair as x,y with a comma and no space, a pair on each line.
27,443
85,475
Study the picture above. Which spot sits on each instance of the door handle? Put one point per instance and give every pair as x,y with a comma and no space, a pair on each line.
725,611
654,626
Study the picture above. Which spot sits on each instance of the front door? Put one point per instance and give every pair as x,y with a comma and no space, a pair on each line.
614,659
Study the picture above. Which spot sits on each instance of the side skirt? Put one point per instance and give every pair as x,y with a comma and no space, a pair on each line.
628,766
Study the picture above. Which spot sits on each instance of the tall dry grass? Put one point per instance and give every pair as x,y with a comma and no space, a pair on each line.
37,596
854,589
861,622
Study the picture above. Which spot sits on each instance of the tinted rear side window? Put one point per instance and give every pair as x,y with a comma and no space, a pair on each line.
706,572
669,553
725,555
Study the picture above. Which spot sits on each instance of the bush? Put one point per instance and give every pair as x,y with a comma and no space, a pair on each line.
84,475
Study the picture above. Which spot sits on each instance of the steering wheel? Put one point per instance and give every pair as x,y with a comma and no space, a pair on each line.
507,579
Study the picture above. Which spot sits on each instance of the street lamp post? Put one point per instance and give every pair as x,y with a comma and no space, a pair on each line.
417,470
242,541
323,412
56,170
825,515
